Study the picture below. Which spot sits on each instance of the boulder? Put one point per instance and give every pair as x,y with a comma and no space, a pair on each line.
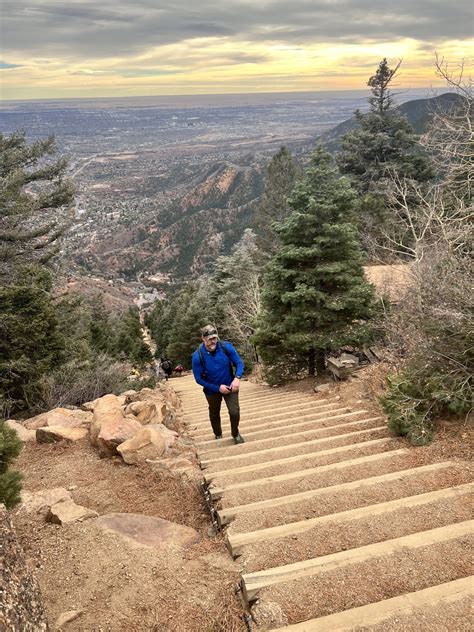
67,511
40,502
145,411
106,408
147,443
22,606
115,431
149,531
24,434
72,418
170,436
52,434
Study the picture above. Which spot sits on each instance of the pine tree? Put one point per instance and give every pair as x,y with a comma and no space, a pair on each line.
281,176
33,197
10,481
384,143
315,296
31,344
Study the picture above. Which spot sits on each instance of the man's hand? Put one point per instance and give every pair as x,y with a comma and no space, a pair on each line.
225,390
235,384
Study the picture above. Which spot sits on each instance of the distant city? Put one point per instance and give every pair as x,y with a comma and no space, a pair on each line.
154,174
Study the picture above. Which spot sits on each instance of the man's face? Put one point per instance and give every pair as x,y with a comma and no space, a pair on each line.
210,342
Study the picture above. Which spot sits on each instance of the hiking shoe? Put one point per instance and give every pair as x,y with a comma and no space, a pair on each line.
218,436
239,439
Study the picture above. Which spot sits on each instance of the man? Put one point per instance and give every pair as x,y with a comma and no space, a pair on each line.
213,368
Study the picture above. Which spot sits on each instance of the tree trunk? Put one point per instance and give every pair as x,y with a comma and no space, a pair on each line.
312,362
319,361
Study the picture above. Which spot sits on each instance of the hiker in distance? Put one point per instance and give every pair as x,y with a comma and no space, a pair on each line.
218,368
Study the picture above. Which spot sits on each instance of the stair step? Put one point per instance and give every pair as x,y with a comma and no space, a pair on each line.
217,492
301,447
318,420
290,436
300,461
229,513
266,422
365,617
311,530
252,583
317,478
272,411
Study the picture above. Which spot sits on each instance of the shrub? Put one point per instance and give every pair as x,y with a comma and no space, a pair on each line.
75,382
433,331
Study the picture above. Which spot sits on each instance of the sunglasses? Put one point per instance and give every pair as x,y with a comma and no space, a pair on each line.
208,334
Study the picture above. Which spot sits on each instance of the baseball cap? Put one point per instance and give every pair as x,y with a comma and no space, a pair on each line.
208,331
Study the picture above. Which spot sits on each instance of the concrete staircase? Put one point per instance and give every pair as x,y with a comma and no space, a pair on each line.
340,524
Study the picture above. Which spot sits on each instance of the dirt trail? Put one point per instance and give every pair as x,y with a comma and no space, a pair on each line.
336,523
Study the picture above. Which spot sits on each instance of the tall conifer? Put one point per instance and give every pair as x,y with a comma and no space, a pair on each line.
315,296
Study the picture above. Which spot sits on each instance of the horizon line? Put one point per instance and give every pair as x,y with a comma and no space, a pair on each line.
208,94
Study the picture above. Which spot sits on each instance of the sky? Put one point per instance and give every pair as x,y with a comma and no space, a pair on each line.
85,48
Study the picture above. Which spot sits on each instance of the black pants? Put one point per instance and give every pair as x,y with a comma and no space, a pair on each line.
232,402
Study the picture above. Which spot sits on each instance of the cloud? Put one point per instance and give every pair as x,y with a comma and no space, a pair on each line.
131,27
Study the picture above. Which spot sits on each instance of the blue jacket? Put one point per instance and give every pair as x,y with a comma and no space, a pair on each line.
217,369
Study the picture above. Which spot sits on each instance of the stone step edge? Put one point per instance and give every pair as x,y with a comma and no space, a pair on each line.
218,492
210,476
235,542
224,516
302,433
210,462
252,583
376,613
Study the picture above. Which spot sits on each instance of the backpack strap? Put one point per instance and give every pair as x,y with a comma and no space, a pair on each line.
203,364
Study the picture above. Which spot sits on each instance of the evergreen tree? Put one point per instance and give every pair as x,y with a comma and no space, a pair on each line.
33,196
191,310
384,143
128,343
31,344
10,481
384,140
235,294
281,176
315,296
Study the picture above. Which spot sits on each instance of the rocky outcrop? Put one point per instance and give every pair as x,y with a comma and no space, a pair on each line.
116,424
21,602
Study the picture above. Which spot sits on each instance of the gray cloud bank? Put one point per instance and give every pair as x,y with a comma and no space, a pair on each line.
87,30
